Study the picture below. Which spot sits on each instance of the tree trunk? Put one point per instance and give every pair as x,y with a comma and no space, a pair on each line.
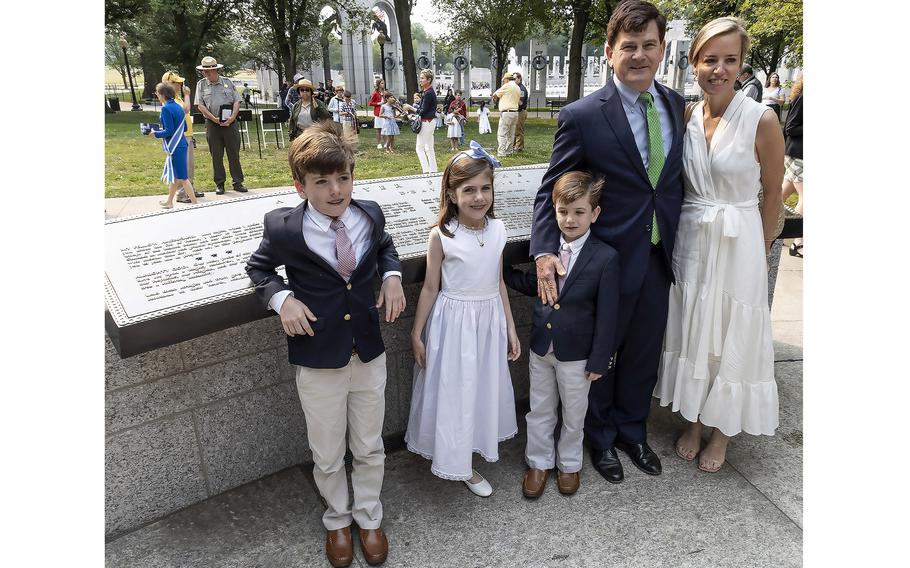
403,17
579,26
287,60
502,54
326,61
151,73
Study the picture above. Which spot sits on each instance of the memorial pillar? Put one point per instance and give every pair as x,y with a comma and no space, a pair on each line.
536,82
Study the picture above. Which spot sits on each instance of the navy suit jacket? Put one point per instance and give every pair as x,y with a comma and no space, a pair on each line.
346,314
593,134
584,315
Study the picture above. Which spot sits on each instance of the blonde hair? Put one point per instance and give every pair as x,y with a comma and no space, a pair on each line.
797,89
428,73
714,28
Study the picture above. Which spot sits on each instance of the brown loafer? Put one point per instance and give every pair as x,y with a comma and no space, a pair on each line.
568,482
534,482
339,547
374,545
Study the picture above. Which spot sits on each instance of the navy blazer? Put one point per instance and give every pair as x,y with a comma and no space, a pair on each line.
593,134
584,314
427,107
346,314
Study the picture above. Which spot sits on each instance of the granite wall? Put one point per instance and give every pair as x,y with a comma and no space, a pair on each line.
189,421
192,420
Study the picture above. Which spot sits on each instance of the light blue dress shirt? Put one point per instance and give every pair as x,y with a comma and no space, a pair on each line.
638,119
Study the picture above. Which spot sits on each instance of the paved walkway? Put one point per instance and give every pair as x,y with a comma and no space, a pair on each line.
748,514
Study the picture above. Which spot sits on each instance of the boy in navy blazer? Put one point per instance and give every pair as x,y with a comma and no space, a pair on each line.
331,247
573,341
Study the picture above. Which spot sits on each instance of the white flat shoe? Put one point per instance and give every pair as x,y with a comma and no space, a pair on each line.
482,488
379,146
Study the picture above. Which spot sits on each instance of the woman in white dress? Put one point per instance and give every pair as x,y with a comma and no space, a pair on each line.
717,368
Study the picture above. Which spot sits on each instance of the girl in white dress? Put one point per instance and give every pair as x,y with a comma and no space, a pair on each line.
463,335
717,368
454,132
483,118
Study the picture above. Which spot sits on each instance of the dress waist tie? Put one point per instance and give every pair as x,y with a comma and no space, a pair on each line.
726,220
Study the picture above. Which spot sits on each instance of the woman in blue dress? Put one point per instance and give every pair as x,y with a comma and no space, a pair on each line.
173,124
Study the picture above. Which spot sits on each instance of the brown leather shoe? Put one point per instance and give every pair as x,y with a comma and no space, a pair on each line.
339,547
568,482
374,545
534,483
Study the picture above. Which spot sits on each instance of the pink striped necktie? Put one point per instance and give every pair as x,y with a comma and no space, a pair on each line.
565,257
344,250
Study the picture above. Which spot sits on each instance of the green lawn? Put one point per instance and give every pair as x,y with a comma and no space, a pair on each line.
133,162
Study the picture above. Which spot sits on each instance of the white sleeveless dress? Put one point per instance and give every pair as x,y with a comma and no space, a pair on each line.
463,400
718,359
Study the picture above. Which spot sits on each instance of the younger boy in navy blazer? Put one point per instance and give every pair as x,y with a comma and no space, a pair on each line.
572,342
331,247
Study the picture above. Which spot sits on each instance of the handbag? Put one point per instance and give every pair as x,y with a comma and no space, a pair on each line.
416,123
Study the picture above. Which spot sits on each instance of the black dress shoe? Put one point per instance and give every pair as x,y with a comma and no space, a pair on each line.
239,188
219,190
642,456
607,464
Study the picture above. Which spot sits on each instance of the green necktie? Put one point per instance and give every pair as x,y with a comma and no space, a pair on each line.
655,154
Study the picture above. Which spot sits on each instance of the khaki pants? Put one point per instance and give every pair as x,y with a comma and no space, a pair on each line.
346,403
554,382
221,139
520,130
505,134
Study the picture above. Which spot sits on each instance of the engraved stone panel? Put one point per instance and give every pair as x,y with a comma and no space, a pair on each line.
170,263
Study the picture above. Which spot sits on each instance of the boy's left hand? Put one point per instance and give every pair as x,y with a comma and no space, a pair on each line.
392,296
592,376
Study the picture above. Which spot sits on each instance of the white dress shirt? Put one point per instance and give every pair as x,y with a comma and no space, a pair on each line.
636,113
320,238
575,247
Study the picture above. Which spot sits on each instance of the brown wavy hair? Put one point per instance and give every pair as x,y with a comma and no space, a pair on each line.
458,172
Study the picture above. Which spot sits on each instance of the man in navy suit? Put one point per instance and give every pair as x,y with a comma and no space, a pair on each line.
630,133
332,247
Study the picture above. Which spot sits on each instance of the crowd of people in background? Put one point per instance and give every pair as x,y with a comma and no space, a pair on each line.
437,106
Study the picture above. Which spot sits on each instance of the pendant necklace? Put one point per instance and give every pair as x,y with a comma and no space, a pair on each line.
478,233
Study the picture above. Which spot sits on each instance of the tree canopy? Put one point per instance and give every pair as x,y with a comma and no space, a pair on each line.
775,27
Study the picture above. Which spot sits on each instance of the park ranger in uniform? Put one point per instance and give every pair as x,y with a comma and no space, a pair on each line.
212,93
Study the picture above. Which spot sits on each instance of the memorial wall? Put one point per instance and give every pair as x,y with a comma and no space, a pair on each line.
164,271
199,396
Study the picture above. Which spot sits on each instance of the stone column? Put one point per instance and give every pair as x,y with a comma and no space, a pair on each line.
536,82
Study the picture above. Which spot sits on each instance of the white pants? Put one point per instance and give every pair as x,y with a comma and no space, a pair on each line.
553,381
505,134
336,402
425,151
